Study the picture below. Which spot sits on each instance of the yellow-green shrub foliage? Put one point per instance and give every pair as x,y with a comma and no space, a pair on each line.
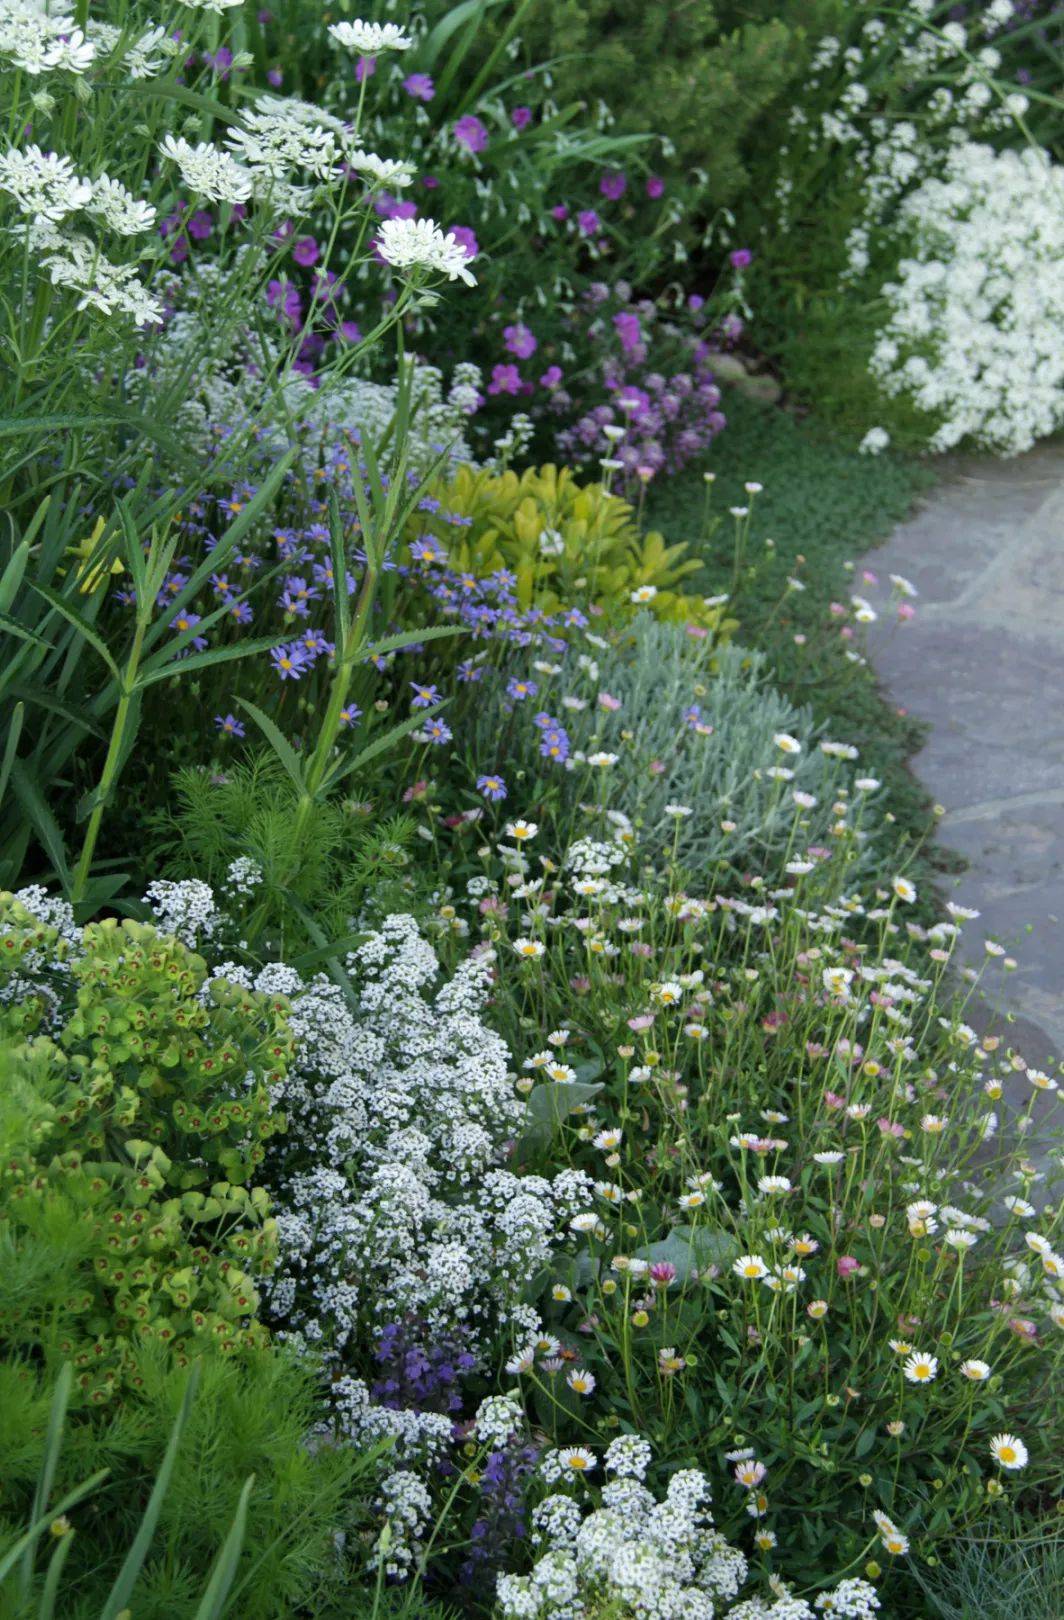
567,544
134,1103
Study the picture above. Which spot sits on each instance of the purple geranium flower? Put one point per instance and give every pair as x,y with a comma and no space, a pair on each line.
420,86
741,258
519,340
521,117
613,184
466,238
588,222
471,133
505,380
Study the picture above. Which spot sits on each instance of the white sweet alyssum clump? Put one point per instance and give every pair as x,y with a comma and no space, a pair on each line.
389,1187
975,334
663,1560
960,239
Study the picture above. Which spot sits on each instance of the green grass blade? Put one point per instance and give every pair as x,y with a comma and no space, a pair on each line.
279,743
46,1610
81,625
214,655
225,1565
118,1598
53,1441
14,732
41,819
407,638
383,742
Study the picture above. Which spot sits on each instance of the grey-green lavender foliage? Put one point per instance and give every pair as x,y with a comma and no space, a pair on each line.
695,727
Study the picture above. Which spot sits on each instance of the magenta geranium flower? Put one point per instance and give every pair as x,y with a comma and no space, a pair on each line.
505,380
419,86
613,184
520,341
588,222
655,185
471,133
466,238
521,117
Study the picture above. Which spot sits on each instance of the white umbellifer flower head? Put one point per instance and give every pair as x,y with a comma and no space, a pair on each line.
875,441
43,184
384,171
38,43
369,39
211,5
119,209
207,170
420,244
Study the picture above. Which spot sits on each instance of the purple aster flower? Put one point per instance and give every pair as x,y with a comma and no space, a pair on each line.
424,696
240,613
229,725
492,787
188,621
588,222
554,743
613,184
351,715
519,340
438,731
289,662
469,672
471,133
420,86
521,117
520,690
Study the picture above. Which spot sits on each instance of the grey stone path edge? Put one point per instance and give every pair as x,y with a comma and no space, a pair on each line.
983,664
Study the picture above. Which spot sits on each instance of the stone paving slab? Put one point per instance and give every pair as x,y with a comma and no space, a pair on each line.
983,664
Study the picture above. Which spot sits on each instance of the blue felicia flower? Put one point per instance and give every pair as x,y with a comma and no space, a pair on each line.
492,787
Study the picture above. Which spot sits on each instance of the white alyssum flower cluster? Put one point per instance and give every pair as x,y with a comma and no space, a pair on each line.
660,1559
975,334
954,233
392,1199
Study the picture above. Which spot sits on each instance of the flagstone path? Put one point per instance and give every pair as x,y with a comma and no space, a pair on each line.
983,664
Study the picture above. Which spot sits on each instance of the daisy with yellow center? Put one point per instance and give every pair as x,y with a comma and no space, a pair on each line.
1008,1451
